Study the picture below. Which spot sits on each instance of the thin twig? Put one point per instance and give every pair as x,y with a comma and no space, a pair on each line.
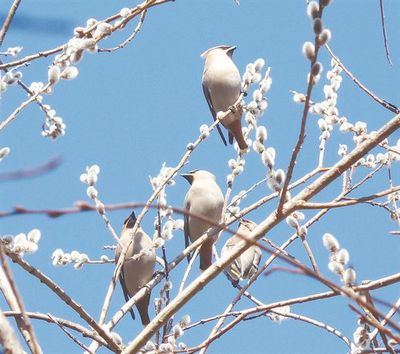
389,315
65,323
348,201
8,20
391,107
302,132
385,39
23,105
69,334
130,38
188,269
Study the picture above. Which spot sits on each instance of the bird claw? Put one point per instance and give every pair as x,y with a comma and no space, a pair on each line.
158,272
233,109
243,151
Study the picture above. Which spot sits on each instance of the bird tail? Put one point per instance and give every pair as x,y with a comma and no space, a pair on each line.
235,131
206,254
143,309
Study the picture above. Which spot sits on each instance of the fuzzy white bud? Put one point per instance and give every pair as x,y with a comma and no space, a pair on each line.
53,74
302,231
330,242
4,152
258,147
261,133
316,69
100,207
349,276
336,267
342,256
92,192
34,235
232,164
342,150
257,95
313,9
177,331
259,64
292,222
69,73
309,51
265,85
125,12
322,124
324,37
159,242
267,159
279,176
185,321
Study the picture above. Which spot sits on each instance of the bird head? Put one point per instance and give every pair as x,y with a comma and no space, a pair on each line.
228,49
189,176
248,224
130,222
197,174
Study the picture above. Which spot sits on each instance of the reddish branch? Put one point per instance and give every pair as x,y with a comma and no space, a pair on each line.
32,172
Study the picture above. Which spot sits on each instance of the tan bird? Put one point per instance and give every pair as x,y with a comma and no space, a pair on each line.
247,263
221,87
138,267
206,200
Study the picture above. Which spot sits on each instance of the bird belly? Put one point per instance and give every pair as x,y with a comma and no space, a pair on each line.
198,227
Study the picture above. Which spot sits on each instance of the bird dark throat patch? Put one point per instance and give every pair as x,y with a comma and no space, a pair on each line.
131,221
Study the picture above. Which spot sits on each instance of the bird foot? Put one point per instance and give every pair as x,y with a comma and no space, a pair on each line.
233,109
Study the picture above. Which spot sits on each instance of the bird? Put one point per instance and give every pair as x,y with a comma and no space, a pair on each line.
222,86
205,199
138,267
247,263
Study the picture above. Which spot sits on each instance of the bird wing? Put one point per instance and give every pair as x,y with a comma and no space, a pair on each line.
230,137
214,114
236,266
125,290
256,261
186,230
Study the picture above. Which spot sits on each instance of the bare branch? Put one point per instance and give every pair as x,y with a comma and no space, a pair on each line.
349,201
64,297
69,334
8,338
23,321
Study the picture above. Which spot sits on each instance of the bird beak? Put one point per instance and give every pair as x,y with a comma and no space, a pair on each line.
204,54
188,177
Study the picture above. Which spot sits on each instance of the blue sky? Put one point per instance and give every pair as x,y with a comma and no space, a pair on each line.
131,110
